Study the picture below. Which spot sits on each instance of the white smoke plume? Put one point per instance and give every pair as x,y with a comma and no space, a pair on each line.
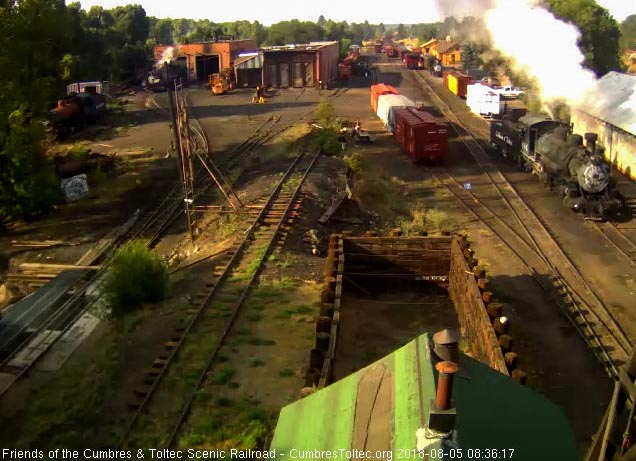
542,47
167,56
462,8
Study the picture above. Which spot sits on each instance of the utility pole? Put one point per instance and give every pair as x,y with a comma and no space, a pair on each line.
173,113
176,133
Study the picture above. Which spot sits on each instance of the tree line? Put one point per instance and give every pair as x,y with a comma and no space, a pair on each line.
47,44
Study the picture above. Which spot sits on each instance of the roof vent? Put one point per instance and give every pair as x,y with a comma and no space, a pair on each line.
447,345
442,414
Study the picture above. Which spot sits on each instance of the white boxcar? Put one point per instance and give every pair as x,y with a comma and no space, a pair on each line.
387,104
483,100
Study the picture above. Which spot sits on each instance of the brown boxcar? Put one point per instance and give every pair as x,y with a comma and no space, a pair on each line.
377,90
422,136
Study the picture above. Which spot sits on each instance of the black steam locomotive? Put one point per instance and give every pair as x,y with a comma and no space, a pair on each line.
547,148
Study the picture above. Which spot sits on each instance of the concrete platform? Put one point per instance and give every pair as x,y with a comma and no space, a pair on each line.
68,343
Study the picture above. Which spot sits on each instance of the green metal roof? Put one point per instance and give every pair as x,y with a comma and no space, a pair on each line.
380,408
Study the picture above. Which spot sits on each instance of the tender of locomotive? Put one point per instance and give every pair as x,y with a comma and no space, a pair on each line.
547,148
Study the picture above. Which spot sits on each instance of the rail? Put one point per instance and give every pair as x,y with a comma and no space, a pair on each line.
558,259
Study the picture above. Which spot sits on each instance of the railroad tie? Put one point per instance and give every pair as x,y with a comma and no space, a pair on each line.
141,392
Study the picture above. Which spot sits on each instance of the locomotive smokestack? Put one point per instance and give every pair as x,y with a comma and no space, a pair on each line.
590,142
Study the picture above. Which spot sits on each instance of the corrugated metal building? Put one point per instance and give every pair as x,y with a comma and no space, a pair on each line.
385,411
202,59
300,66
613,117
248,68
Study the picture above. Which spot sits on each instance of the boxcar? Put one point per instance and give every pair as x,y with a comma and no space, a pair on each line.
380,89
422,136
388,104
457,83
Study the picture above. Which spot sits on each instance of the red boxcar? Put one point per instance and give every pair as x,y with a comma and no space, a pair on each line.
377,90
422,136
412,60
391,51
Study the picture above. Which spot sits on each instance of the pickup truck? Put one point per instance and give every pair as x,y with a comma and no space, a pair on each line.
510,92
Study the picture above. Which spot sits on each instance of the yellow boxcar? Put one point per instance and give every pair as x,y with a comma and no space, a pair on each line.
453,84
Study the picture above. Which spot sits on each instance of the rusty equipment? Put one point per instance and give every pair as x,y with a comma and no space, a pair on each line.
222,82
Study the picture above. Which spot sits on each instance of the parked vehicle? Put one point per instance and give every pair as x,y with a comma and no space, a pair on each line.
510,92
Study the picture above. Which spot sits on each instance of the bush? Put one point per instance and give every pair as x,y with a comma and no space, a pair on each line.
354,162
326,114
327,141
136,276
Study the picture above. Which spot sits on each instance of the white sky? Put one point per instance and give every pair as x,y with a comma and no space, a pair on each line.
350,11
620,9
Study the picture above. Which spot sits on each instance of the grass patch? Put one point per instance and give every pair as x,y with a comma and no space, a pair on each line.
439,220
299,310
254,317
284,283
223,376
256,363
422,219
71,406
285,373
256,341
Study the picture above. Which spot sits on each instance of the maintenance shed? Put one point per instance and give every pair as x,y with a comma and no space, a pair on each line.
299,66
205,58
248,68
612,115
412,400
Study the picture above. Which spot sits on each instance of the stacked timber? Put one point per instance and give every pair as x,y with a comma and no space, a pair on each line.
322,356
481,316
39,274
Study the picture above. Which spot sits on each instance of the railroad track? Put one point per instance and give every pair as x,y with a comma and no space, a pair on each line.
594,321
148,226
171,384
617,239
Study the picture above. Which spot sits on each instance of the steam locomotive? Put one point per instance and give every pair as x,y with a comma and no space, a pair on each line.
547,148
75,111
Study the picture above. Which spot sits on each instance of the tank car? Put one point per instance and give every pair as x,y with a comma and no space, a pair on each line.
548,149
74,111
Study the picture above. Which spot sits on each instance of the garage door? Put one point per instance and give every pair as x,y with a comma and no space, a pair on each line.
272,75
309,73
298,75
284,75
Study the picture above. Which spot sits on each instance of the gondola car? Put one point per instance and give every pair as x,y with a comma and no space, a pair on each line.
558,157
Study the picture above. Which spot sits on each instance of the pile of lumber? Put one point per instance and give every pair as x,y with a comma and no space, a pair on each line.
39,274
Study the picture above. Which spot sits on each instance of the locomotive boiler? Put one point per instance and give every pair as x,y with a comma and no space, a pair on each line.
548,149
